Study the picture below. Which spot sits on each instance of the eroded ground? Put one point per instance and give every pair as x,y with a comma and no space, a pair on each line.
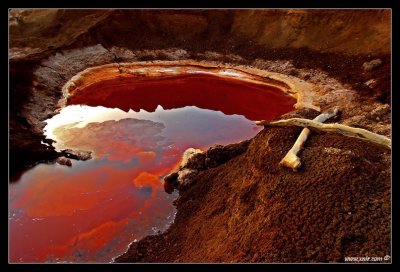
248,209
252,210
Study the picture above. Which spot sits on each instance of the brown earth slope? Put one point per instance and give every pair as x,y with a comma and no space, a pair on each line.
252,210
248,209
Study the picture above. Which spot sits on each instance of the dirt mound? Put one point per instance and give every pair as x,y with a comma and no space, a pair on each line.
251,210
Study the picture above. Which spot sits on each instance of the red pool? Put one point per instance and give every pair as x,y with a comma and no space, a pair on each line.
137,130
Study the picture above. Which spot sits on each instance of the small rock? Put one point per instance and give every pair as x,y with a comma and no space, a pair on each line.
368,66
196,161
188,154
219,154
381,110
78,154
337,151
176,54
49,141
370,83
171,178
64,161
185,178
169,187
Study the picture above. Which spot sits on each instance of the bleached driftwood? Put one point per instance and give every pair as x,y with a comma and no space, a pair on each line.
291,159
348,131
358,133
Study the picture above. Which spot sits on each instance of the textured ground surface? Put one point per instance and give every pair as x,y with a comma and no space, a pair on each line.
251,210
248,209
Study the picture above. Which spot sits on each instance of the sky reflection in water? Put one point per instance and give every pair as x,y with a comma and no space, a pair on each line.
90,212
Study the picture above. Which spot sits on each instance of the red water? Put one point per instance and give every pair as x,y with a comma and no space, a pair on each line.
231,96
90,212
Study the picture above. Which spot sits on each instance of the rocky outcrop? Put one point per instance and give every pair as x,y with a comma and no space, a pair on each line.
77,154
321,30
37,31
195,160
370,65
344,31
64,161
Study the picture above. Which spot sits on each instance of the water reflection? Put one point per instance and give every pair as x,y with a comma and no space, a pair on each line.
90,212
120,140
60,207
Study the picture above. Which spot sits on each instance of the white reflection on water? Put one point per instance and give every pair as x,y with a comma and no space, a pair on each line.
180,124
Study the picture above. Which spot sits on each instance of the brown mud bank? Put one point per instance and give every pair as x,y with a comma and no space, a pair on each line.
247,209
250,209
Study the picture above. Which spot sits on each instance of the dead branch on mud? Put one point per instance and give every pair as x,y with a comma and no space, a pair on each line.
358,133
348,131
291,159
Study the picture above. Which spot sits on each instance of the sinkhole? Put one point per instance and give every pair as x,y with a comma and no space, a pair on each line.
137,128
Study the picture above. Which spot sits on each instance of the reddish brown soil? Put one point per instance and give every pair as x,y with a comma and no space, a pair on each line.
248,209
251,210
